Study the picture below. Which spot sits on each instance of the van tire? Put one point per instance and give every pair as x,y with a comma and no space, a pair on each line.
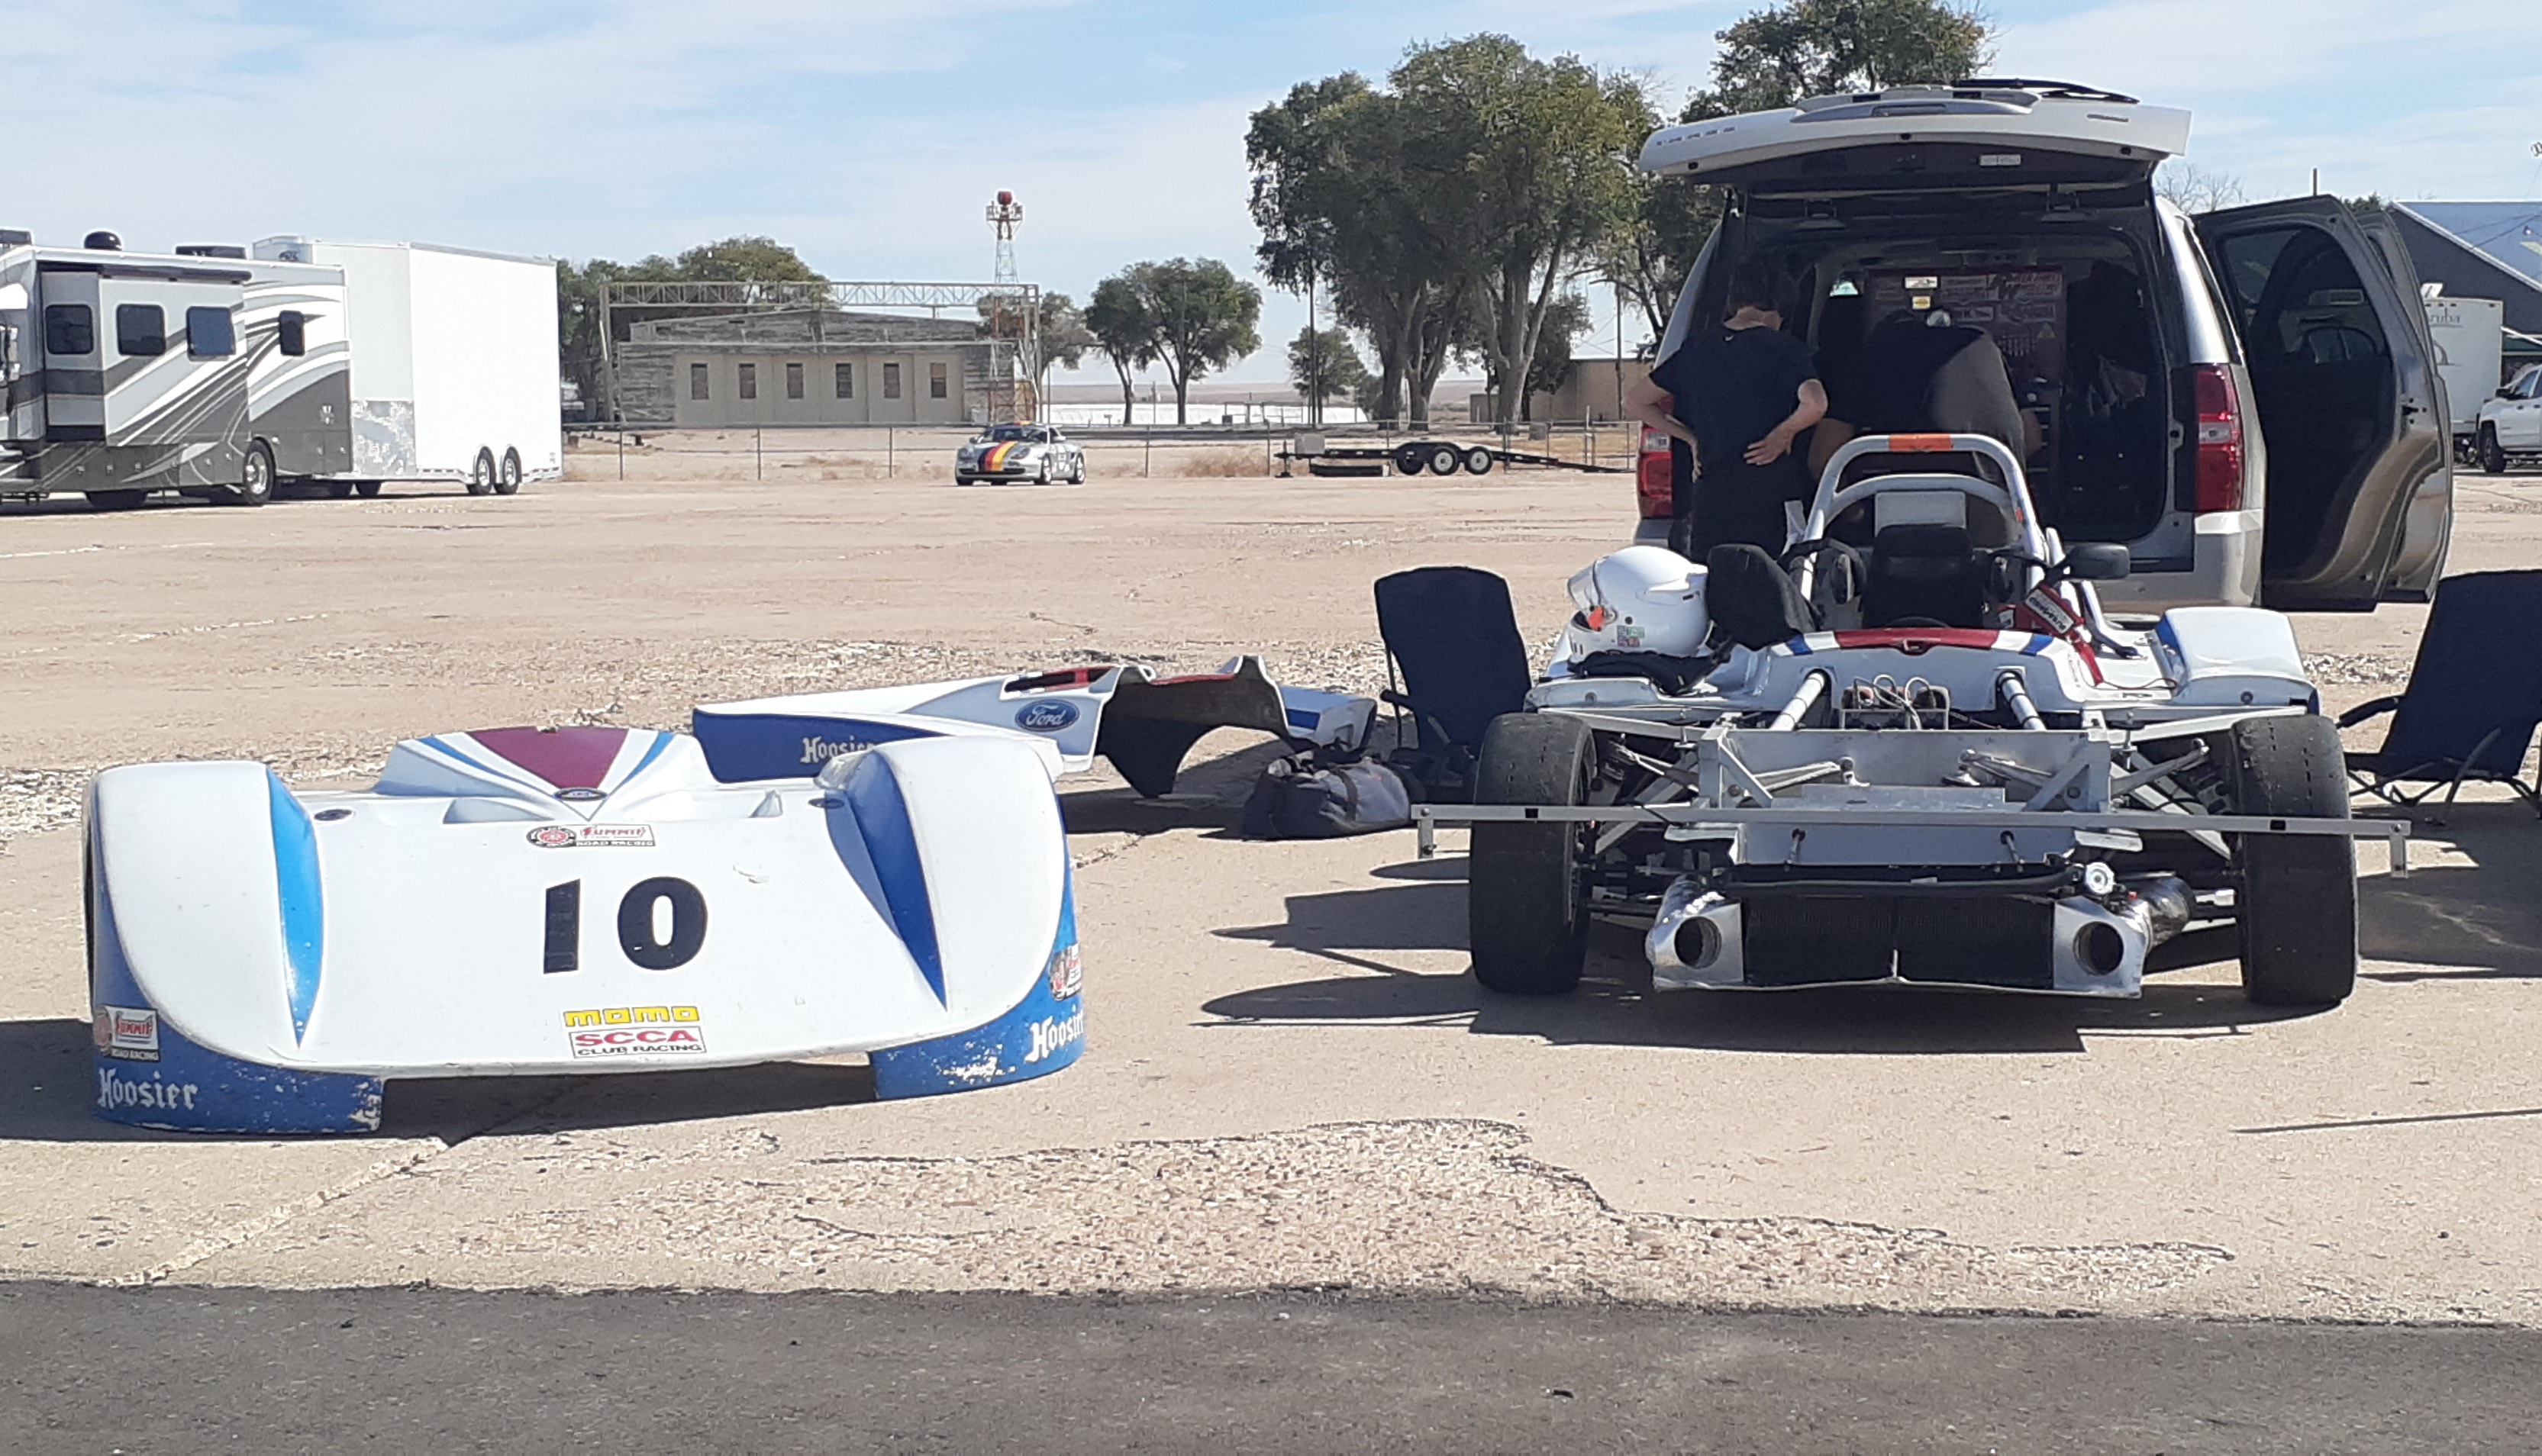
480,473
2297,898
117,500
256,479
1527,913
2492,456
507,478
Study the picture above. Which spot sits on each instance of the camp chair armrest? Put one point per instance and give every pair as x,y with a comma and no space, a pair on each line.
1393,698
2366,711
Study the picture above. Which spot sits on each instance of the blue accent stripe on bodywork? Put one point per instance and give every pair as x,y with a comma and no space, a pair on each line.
1300,719
304,904
879,847
661,740
487,769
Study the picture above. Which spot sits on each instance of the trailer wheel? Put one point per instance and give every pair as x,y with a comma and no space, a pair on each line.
256,479
1446,460
1409,459
480,473
1527,915
339,489
1478,462
117,500
508,480
2298,892
367,490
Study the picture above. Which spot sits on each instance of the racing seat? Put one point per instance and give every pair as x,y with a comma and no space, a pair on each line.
1924,576
2474,697
1752,600
1454,634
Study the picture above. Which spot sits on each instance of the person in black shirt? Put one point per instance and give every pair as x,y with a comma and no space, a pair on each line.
1739,394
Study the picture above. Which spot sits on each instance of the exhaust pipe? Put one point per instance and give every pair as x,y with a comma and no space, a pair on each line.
1694,941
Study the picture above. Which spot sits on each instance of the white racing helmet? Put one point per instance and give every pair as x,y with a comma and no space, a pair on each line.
1641,599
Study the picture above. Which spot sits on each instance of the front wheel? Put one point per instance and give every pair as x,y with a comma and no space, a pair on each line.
508,478
1527,914
480,473
2298,892
256,479
2492,456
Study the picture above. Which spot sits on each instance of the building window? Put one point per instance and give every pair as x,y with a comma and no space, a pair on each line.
847,382
698,382
793,381
140,329
209,334
291,331
891,381
935,381
749,381
69,328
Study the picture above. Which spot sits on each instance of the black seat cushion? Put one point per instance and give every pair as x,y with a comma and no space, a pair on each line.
1924,574
1752,600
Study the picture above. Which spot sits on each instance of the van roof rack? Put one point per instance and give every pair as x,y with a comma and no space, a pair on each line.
2062,89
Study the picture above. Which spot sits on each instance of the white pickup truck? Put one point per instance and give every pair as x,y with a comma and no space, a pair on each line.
2511,424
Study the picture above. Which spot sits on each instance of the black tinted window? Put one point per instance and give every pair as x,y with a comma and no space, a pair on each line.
847,381
209,334
749,379
69,328
793,381
140,329
291,331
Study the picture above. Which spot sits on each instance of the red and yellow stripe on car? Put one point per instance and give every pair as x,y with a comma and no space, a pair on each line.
999,455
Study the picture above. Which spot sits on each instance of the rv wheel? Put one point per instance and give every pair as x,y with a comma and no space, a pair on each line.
256,479
367,489
508,480
481,476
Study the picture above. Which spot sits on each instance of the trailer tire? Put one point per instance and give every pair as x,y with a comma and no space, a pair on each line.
339,489
256,479
1446,460
367,490
1478,462
1527,914
480,473
508,478
117,500
2297,896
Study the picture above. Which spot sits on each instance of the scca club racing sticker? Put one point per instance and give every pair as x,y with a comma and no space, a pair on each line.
1051,715
635,1031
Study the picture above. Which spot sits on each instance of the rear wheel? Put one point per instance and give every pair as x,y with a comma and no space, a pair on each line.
2492,456
1527,915
1478,462
2298,892
256,479
117,500
508,478
480,473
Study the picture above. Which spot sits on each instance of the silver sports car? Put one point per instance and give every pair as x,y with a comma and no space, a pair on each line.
1019,452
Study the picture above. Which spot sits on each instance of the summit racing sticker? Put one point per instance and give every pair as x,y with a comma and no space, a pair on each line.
592,836
635,1031
127,1033
1067,972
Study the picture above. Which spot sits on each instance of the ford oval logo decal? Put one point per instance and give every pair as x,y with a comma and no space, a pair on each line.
1051,715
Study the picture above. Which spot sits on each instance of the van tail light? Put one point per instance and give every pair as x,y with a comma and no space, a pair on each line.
1654,482
2220,438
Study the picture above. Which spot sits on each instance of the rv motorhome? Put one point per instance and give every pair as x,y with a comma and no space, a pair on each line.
212,373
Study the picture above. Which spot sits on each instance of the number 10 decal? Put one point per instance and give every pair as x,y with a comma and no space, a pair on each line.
661,924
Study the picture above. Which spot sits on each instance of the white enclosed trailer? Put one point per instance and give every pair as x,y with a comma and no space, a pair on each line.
454,362
2471,341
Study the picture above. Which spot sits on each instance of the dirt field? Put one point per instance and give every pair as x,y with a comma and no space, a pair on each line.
1291,1081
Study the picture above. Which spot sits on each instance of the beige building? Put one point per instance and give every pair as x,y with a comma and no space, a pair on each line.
813,367
1591,390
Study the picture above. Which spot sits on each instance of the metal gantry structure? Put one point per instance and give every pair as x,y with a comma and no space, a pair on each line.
1011,312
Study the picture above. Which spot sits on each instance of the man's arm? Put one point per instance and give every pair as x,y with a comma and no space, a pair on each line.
1648,402
1810,409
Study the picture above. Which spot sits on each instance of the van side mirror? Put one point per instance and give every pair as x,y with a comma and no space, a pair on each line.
2099,560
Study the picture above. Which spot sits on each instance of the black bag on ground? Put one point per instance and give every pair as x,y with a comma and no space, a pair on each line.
1296,799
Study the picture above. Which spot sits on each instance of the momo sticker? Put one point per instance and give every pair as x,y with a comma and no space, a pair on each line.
635,1032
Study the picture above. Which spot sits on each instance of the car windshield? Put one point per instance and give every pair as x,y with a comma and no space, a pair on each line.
1014,432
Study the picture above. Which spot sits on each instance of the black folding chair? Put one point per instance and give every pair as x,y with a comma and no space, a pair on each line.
1453,634
2474,697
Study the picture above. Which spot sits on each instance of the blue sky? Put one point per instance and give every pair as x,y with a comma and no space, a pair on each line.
869,135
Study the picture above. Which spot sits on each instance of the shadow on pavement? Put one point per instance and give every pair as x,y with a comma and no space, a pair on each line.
2455,922
47,1090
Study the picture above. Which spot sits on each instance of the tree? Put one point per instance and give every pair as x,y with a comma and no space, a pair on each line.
1065,338
1205,318
1124,329
2193,189
1324,360
746,259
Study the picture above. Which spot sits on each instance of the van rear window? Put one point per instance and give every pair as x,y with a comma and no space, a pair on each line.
69,328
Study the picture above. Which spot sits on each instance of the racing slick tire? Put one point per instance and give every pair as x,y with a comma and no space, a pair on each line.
2298,892
1478,462
1446,460
508,478
480,473
256,479
2492,456
367,490
117,500
1410,459
1527,914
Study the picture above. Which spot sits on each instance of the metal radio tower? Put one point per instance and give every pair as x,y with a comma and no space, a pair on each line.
1004,214
1013,321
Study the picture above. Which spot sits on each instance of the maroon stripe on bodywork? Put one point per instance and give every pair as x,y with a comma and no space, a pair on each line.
568,757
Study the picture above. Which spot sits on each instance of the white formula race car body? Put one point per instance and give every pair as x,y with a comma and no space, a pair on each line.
1913,750
553,901
1124,712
